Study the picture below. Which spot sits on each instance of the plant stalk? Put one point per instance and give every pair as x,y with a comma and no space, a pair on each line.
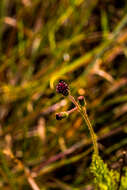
83,112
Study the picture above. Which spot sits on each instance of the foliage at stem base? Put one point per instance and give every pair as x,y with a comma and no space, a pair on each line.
123,185
104,179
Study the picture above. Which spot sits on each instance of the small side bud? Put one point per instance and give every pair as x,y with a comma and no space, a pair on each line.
61,115
81,100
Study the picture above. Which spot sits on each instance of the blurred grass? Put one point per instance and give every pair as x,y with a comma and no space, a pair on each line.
84,43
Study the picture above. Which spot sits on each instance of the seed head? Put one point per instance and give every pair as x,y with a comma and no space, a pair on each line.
62,88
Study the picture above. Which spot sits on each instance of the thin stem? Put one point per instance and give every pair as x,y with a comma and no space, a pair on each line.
92,133
74,102
72,110
83,112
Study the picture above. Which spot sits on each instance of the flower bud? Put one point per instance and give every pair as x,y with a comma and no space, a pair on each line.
81,100
61,115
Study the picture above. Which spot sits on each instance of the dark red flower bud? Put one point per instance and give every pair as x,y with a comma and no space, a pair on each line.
62,88
58,116
81,100
61,115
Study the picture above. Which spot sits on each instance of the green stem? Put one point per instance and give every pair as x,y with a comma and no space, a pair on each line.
83,112
92,133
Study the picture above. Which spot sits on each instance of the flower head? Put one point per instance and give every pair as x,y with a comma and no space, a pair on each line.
62,88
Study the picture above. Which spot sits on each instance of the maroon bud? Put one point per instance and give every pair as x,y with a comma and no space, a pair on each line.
58,116
61,115
62,88
81,100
